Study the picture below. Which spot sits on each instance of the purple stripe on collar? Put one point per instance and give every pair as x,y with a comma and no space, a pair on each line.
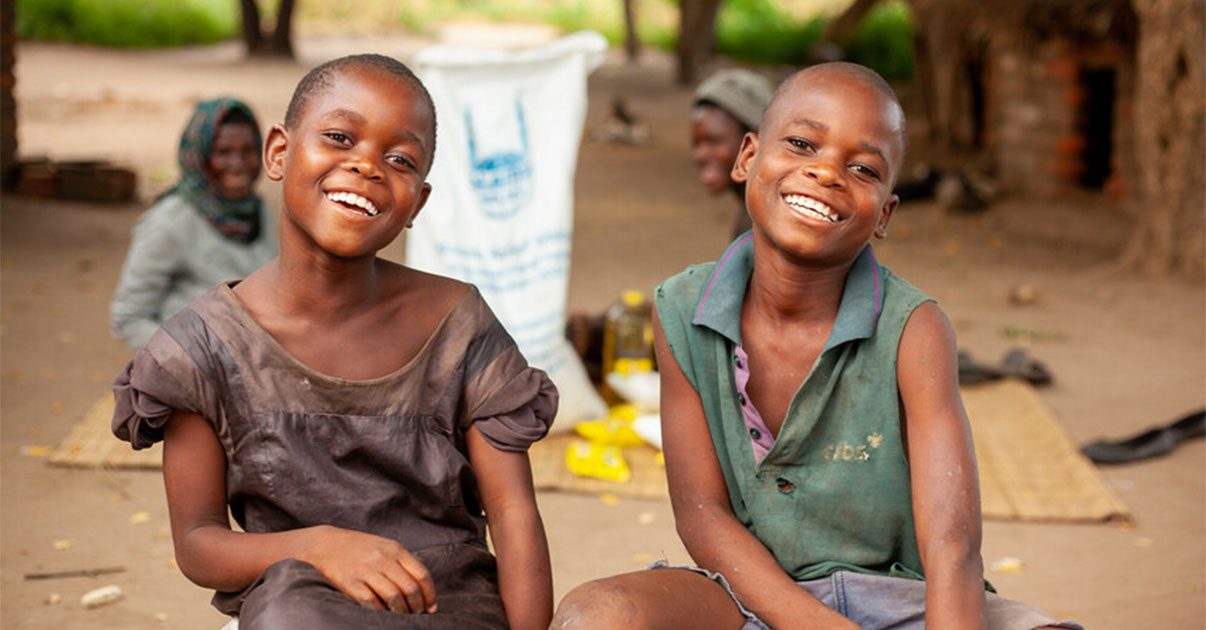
716,273
879,304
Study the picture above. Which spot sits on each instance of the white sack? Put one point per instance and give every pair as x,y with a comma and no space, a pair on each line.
500,214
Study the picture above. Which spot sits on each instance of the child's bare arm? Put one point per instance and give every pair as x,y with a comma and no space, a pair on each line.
374,571
942,465
705,520
504,480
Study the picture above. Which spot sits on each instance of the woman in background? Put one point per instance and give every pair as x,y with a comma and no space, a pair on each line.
209,227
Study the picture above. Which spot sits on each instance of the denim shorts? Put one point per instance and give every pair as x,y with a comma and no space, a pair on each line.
876,601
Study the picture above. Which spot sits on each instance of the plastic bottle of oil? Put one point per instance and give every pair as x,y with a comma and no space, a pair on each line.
628,335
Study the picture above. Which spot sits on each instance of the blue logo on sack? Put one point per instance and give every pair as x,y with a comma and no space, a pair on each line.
501,176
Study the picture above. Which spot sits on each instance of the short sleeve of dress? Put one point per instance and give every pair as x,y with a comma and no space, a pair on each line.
511,403
161,378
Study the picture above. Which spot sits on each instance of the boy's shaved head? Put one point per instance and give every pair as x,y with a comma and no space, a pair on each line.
855,71
322,78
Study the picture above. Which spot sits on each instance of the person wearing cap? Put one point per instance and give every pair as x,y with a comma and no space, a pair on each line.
728,105
725,107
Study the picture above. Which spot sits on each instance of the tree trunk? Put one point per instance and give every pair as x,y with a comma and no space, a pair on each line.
281,42
923,80
251,25
696,37
277,44
1170,139
842,26
943,48
632,45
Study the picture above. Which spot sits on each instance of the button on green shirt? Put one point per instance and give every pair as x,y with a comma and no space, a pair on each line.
833,491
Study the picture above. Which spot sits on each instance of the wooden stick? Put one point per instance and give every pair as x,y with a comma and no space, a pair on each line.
74,573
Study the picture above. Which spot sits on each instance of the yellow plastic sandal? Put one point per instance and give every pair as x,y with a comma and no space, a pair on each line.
598,461
614,430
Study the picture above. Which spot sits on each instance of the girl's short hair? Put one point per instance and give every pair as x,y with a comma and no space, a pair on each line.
322,78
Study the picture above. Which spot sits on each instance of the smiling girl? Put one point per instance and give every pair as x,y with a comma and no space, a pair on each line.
363,422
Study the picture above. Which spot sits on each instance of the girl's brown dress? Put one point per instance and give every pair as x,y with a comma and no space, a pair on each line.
385,456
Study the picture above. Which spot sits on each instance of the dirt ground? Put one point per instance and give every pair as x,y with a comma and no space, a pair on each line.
1127,352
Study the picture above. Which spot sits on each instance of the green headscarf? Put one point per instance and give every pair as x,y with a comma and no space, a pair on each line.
239,219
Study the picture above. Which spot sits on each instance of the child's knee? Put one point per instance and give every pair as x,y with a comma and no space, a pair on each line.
290,594
599,604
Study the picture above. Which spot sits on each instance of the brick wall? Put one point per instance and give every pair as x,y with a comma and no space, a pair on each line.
1035,112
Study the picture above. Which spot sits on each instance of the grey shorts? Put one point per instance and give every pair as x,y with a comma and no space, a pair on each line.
876,601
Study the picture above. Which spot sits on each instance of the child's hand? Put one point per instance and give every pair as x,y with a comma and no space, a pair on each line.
377,572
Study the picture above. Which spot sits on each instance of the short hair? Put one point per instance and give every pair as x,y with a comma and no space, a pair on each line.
322,77
854,71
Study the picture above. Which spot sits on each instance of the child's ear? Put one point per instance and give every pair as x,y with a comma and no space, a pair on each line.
424,193
741,168
276,146
885,215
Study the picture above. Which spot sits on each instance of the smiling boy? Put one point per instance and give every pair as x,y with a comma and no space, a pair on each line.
818,454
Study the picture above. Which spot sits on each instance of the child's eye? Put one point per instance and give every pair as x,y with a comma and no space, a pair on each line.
402,161
801,143
866,171
337,136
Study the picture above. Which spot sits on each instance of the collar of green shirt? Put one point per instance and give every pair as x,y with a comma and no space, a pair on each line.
719,306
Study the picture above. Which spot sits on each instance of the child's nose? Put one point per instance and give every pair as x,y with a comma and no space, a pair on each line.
823,172
364,167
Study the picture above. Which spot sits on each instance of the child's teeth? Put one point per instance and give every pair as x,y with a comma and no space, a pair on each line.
812,207
355,200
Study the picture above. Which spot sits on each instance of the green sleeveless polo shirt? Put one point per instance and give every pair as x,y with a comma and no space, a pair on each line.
833,492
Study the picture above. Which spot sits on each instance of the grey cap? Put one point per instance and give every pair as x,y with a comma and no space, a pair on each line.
741,93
